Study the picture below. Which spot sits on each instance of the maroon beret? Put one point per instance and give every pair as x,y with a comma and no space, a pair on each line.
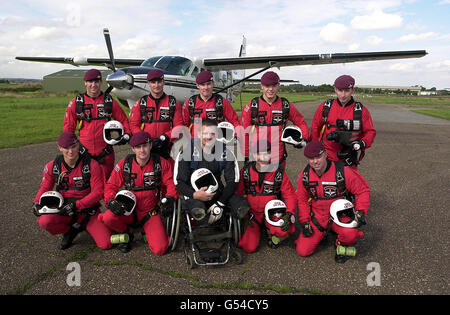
313,149
270,78
344,82
261,145
66,139
92,74
140,138
155,74
203,77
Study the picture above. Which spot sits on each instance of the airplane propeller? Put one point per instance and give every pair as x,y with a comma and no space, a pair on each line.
118,78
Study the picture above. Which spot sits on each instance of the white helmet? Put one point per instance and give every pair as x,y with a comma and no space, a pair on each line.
343,208
113,132
292,135
275,208
226,134
128,199
203,177
51,202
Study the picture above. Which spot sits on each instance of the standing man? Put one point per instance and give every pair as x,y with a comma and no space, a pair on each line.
261,183
207,153
207,105
143,174
157,114
266,116
343,125
80,181
88,112
319,184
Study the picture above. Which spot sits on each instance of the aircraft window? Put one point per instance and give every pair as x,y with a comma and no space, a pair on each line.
195,72
174,64
150,62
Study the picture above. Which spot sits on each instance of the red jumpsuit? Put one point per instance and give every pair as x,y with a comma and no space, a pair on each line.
147,200
262,181
338,111
207,109
267,115
326,189
156,110
86,199
91,133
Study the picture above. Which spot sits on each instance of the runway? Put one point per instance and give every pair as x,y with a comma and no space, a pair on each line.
406,239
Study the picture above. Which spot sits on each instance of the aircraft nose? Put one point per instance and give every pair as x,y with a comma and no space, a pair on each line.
120,80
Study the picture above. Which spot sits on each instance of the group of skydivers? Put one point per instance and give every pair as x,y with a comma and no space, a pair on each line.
180,153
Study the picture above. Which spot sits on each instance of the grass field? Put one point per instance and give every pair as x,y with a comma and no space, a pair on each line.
30,115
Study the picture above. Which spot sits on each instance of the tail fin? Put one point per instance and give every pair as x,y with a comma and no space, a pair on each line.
237,75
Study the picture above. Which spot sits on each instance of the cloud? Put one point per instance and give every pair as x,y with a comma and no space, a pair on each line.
374,40
335,33
439,65
376,21
422,36
42,33
403,67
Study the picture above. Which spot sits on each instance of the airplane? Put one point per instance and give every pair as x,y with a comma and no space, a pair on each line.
129,83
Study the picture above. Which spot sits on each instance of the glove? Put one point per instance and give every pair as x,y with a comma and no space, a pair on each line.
215,212
286,221
161,142
301,145
68,209
35,208
358,145
124,140
167,205
360,218
307,229
116,207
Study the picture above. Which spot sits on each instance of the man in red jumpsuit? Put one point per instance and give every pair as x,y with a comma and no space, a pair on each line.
144,174
157,114
82,190
341,116
266,116
207,105
91,111
319,184
261,183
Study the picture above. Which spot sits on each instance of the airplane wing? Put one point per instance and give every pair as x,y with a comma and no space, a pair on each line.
81,61
296,60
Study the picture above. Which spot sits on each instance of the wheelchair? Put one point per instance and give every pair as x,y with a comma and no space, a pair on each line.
205,244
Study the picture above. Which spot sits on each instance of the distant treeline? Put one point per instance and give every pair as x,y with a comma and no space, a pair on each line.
327,88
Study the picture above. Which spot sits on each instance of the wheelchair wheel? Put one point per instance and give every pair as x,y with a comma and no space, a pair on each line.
190,260
237,255
236,231
172,225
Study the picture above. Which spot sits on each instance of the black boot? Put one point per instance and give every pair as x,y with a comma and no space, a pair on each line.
68,238
126,247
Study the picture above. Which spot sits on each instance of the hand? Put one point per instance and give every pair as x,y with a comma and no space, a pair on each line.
167,205
35,208
301,144
360,218
124,140
68,209
307,229
358,145
160,142
287,219
202,195
215,212
116,207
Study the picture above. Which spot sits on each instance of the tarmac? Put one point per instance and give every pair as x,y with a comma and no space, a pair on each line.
405,249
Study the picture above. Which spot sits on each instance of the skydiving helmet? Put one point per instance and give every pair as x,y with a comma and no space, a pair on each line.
275,210
113,132
292,135
343,214
51,202
226,134
203,177
128,199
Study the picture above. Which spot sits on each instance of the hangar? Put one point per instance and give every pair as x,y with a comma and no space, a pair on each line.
69,81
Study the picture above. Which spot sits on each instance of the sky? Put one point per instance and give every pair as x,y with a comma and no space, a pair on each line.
214,29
